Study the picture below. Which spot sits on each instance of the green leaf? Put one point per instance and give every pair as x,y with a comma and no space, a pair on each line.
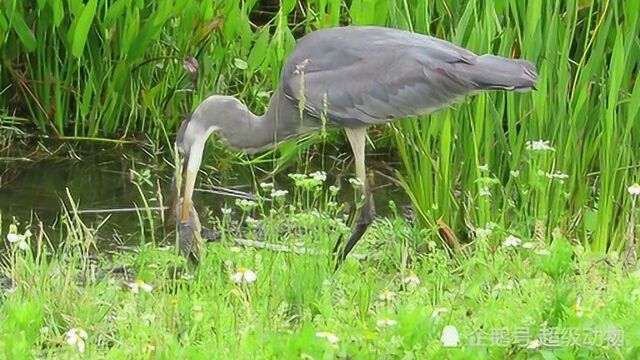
22,29
41,4
82,28
58,12
114,12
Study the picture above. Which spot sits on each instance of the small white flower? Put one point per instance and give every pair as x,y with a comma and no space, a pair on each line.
386,322
19,240
387,295
355,182
225,211
529,245
482,233
245,204
148,318
266,185
450,337
251,221
138,285
534,344
634,189
244,275
76,337
437,311
539,145
331,338
543,252
511,241
13,238
412,279
319,176
279,193
514,173
484,191
187,276
334,189
483,167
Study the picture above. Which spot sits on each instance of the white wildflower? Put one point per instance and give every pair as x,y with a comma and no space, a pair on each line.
484,191
226,211
483,167
514,173
334,189
148,318
386,322
319,176
634,189
138,285
387,295
412,280
482,233
331,338
244,275
19,240
437,311
266,186
511,241
539,145
450,337
245,204
355,182
251,221
76,337
543,252
279,193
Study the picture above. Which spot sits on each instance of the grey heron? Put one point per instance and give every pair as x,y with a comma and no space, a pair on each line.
348,77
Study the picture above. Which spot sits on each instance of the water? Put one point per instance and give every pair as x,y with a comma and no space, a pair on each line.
102,181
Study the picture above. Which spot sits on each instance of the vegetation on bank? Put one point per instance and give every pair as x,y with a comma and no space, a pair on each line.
504,296
526,204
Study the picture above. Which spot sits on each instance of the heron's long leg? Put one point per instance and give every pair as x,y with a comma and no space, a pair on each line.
357,138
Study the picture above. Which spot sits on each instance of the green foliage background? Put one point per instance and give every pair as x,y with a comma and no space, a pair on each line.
115,68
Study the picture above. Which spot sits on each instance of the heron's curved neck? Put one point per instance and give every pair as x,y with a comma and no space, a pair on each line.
250,133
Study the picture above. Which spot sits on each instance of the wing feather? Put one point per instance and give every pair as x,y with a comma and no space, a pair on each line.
409,75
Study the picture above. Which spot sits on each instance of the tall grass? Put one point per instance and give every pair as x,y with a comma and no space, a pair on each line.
120,68
586,106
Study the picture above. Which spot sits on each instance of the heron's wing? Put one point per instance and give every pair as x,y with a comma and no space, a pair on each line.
350,86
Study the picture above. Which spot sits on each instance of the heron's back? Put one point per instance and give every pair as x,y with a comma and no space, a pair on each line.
364,75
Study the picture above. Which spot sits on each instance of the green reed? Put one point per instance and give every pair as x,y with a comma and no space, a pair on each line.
105,68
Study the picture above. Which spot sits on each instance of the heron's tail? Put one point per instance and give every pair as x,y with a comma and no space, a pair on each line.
495,72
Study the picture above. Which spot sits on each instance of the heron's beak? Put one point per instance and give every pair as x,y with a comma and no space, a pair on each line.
190,181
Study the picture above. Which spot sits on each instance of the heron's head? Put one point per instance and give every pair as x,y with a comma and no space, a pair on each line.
217,114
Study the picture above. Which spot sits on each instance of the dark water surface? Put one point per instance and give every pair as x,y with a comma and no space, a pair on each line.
102,181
